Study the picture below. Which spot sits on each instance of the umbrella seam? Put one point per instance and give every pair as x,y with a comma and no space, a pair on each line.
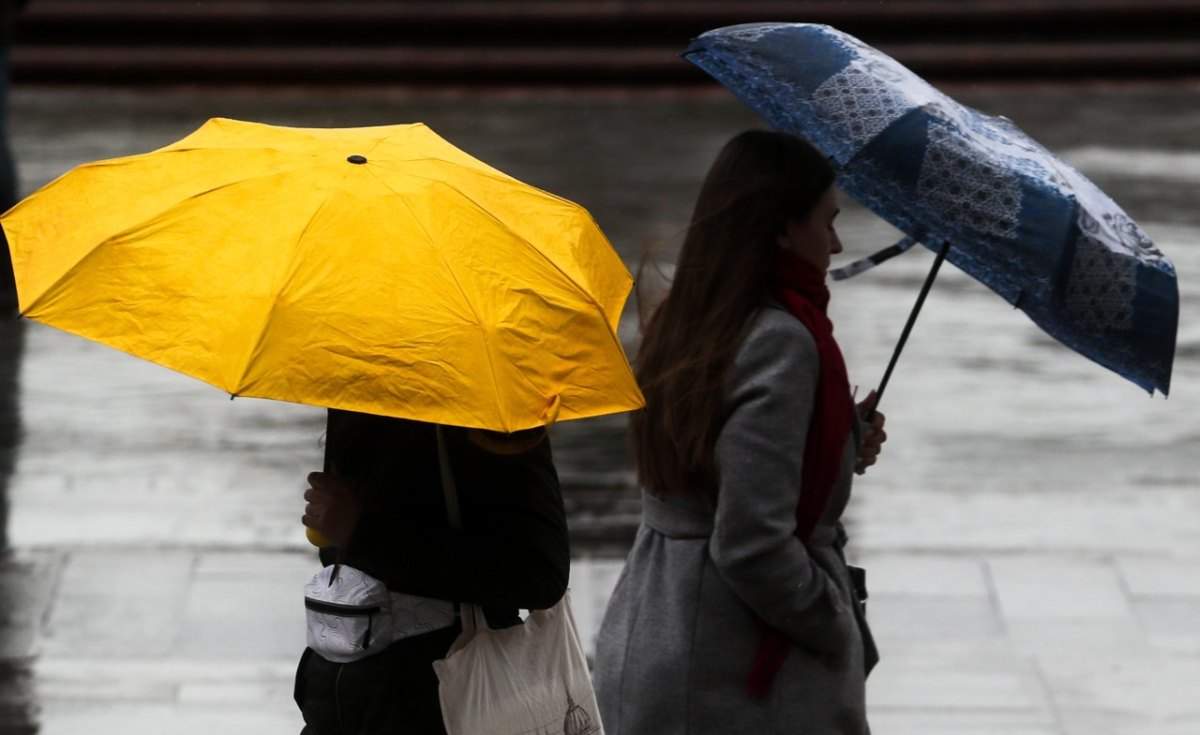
266,323
494,173
466,299
158,215
583,292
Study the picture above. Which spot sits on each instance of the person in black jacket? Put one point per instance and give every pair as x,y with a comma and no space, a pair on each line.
380,506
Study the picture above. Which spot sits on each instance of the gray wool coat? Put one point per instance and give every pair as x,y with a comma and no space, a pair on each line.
679,635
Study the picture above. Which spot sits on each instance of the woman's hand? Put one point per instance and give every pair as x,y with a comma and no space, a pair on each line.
873,434
333,507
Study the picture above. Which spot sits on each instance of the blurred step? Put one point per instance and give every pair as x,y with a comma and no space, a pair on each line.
584,42
602,519
358,21
547,66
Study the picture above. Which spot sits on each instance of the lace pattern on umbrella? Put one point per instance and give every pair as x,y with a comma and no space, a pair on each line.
974,191
856,105
1103,220
1102,285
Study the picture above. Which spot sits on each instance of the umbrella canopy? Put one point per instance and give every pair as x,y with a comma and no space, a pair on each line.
1014,216
375,269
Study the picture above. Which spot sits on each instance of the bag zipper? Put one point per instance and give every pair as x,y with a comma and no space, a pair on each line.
334,608
347,611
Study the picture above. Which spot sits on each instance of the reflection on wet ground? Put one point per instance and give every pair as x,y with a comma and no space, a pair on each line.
12,345
17,704
1031,529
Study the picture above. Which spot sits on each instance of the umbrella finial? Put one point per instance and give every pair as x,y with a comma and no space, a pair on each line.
357,159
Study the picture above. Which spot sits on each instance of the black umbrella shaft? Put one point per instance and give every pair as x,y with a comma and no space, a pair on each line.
912,319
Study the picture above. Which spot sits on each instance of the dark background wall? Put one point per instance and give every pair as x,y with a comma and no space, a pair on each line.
576,42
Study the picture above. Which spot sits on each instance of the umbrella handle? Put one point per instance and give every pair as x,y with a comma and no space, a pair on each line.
912,318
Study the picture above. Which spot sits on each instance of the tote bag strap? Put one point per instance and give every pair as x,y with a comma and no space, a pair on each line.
450,492
448,489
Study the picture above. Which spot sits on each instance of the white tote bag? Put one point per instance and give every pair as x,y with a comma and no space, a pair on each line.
529,679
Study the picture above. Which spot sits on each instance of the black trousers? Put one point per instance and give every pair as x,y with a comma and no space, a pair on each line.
394,692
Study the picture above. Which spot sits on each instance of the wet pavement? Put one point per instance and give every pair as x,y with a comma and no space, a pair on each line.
1032,534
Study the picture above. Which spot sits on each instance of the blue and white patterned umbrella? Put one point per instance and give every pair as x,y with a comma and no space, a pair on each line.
1013,215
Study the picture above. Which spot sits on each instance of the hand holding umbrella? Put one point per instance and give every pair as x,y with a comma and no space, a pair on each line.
873,434
332,511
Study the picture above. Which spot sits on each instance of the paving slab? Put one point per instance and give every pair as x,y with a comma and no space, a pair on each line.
192,719
1162,685
941,722
121,695
1108,520
934,618
1160,576
1091,723
897,574
1097,641
1053,588
962,681
28,584
1170,624
245,606
118,604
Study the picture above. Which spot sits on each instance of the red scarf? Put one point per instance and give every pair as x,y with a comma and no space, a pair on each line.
800,287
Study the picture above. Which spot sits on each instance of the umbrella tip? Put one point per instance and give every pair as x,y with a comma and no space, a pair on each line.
357,159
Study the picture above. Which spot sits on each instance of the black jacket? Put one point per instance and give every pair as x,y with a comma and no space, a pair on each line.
511,554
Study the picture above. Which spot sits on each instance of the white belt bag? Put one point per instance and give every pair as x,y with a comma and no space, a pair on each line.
352,615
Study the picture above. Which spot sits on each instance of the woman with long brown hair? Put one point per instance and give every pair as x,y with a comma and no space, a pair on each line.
736,611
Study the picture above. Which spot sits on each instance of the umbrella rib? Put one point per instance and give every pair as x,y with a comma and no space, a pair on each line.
583,292
266,323
430,238
157,215
495,174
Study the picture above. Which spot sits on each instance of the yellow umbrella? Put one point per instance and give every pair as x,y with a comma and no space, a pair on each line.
375,269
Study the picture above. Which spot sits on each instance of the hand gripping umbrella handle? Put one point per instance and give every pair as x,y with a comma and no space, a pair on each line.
912,319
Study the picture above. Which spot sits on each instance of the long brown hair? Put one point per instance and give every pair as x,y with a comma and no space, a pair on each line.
759,181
